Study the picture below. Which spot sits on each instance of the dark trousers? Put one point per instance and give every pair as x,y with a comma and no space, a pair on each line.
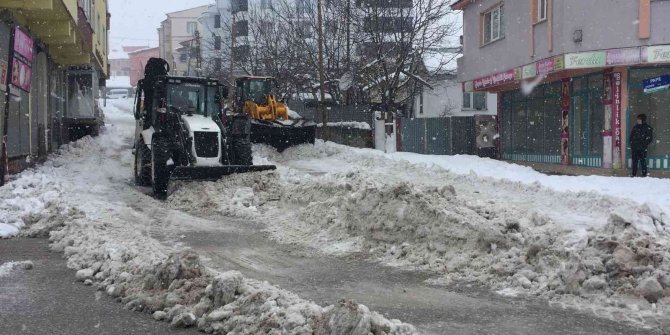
640,156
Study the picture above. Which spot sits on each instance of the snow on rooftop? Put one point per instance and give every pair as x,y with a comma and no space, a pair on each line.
118,54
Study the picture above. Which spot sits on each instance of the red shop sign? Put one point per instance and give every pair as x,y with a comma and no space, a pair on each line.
23,44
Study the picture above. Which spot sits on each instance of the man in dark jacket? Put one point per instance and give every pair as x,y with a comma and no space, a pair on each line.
640,138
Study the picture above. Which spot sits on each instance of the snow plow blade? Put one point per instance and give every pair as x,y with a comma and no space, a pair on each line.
214,172
282,136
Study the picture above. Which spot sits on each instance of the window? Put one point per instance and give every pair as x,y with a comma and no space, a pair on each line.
266,4
493,25
541,10
217,42
217,21
191,27
474,100
183,57
467,100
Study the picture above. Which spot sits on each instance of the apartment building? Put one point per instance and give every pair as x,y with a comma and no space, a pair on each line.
178,28
53,58
571,77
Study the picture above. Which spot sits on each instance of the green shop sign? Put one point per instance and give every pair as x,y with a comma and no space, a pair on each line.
584,60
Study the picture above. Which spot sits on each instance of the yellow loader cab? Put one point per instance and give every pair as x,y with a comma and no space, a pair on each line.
270,122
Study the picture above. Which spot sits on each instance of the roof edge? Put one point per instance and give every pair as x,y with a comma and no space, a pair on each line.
461,4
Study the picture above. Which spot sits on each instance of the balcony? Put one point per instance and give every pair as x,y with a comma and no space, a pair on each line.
53,22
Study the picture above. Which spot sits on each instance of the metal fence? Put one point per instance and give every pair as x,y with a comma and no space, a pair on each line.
336,113
439,136
362,138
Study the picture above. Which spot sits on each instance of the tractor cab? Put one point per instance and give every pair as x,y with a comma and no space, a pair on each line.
254,89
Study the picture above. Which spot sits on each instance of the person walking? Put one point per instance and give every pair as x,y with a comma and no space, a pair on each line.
640,138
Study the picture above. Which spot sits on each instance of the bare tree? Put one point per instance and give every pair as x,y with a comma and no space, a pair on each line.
380,46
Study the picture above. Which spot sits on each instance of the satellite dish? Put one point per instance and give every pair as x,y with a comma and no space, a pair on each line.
346,81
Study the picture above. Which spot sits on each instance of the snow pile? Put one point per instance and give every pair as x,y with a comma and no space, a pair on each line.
20,200
348,124
104,228
575,248
176,288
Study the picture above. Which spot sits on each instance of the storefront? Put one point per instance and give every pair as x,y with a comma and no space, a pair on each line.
576,109
531,124
656,105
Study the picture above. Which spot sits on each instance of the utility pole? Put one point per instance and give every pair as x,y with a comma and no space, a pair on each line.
198,55
348,21
322,80
231,80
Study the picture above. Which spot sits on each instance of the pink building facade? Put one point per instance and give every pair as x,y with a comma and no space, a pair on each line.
137,60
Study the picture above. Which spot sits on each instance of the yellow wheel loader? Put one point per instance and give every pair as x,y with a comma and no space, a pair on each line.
270,121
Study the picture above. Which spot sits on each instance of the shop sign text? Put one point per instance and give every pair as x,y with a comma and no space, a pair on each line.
546,66
658,54
616,111
23,45
623,56
495,79
585,60
3,74
656,84
529,71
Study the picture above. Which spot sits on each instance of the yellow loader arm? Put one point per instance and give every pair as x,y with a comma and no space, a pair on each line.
271,110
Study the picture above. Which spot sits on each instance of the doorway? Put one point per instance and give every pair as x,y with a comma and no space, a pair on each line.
588,121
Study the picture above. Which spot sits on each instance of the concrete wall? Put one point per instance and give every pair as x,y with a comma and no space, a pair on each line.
605,24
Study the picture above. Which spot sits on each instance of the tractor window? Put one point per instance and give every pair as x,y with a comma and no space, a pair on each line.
257,90
191,98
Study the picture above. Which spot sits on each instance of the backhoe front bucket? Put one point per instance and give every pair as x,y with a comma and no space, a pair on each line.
281,136
214,172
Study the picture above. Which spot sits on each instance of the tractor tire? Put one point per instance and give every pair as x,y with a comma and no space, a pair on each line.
160,175
142,164
241,147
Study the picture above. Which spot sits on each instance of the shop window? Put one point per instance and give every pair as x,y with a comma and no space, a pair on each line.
493,25
535,127
519,124
655,106
531,124
507,123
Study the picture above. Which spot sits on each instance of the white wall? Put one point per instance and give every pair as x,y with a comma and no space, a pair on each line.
446,99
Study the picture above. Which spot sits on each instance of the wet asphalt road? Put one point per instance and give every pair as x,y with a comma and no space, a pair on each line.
393,292
48,300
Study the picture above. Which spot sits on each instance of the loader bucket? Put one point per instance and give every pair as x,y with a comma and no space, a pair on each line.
214,172
281,136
